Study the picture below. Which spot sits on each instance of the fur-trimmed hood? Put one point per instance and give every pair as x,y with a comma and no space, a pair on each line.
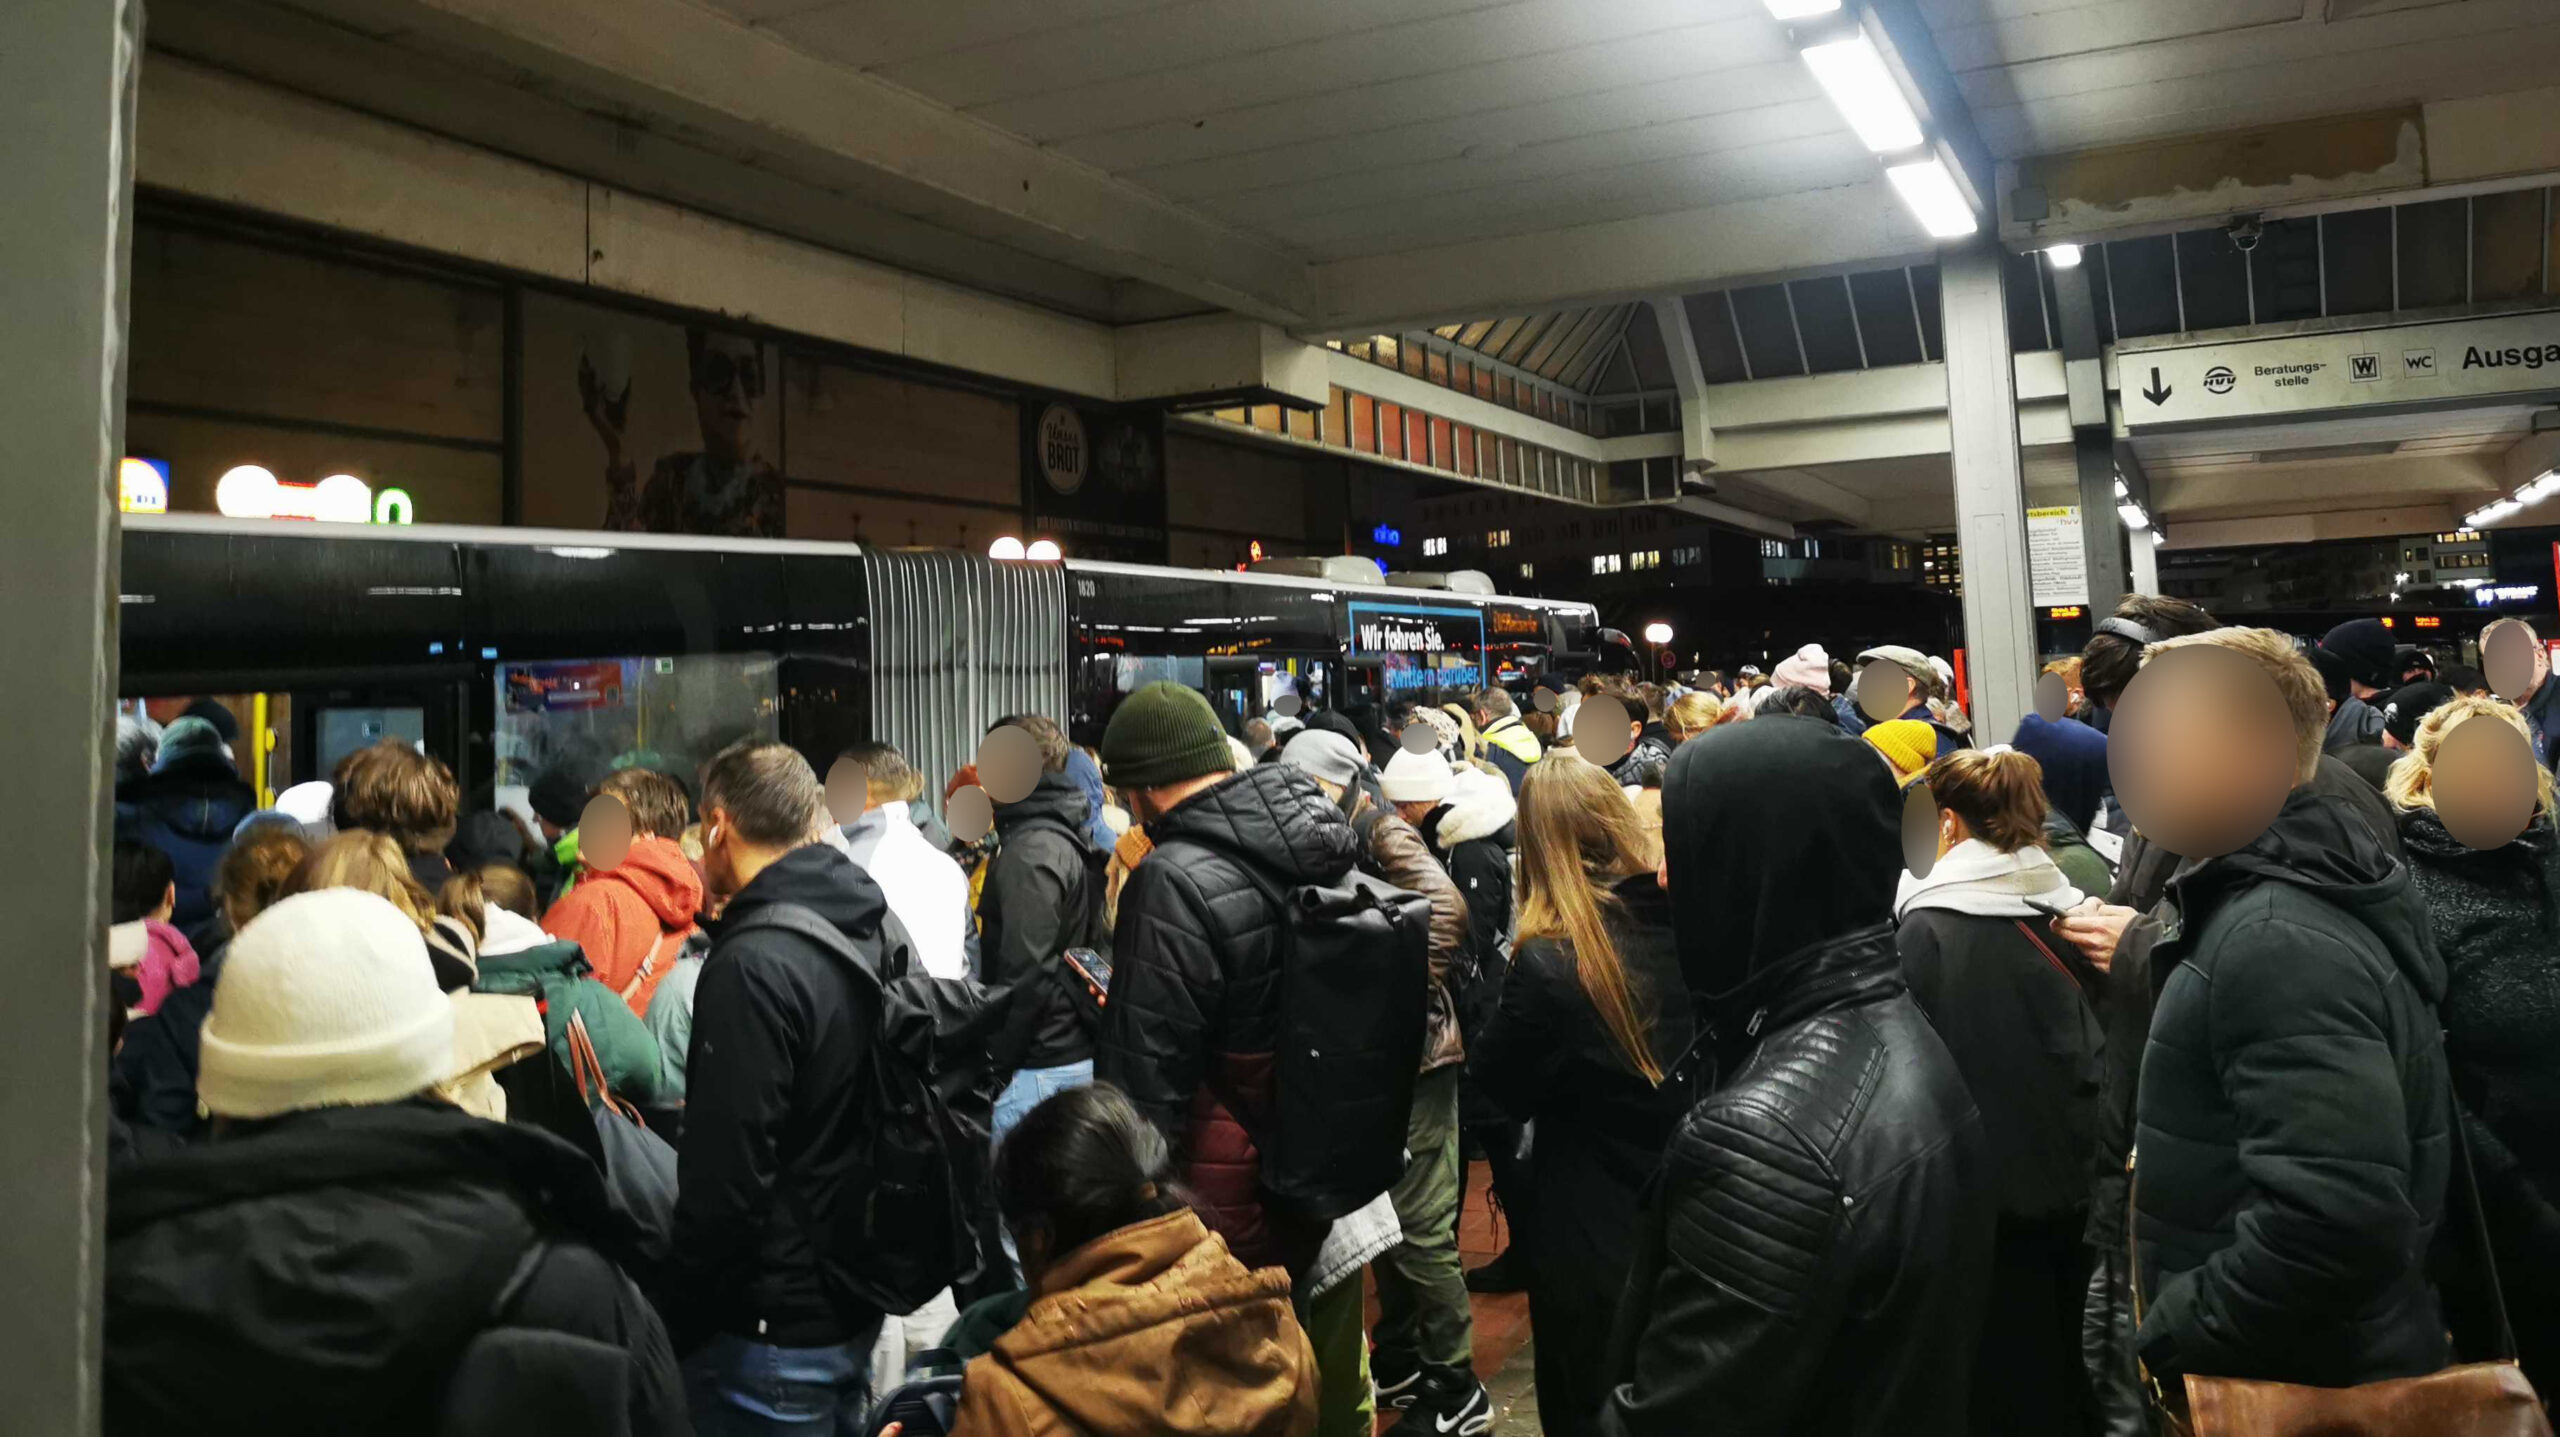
1480,806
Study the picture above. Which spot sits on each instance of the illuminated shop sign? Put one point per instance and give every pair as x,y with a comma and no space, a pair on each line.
142,486
252,492
2488,594
1388,535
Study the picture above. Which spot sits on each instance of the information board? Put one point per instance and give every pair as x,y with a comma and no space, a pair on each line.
2498,356
2057,567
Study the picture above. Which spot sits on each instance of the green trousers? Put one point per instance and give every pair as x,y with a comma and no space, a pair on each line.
1422,1289
1345,1407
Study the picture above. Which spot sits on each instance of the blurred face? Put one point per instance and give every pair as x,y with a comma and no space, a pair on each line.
728,379
2202,750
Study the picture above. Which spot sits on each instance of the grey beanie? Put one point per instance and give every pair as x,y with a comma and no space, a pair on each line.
1325,755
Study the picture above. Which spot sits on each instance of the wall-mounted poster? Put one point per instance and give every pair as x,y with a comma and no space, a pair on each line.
635,422
1093,479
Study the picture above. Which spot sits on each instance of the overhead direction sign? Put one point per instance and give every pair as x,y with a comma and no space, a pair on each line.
2500,356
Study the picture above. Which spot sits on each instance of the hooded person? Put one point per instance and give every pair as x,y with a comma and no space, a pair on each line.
2362,667
187,807
2072,757
632,920
1043,896
2012,1002
348,1253
2294,1105
1808,667
1826,1092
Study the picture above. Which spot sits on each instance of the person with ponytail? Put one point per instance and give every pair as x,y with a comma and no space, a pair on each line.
2011,1000
1139,1319
1593,1015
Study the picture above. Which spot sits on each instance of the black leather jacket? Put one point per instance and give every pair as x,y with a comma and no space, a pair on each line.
1818,1239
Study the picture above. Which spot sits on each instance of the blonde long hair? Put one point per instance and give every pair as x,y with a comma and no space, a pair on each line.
2412,781
1579,836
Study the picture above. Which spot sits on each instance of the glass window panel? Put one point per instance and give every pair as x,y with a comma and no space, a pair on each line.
1822,312
1444,450
1364,424
1924,297
1464,445
2146,284
1414,360
1267,417
1337,419
1436,367
2286,270
1502,392
1302,423
2356,250
1768,333
2216,278
2506,245
2025,301
1883,300
1391,429
2435,253
1711,323
1484,382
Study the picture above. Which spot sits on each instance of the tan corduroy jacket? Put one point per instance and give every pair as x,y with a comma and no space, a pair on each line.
1153,1328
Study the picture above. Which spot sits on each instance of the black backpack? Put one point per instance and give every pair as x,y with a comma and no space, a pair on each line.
1355,971
924,1175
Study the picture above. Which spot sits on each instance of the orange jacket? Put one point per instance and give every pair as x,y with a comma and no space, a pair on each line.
1153,1328
624,914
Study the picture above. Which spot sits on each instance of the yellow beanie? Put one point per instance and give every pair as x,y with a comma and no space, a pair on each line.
1907,744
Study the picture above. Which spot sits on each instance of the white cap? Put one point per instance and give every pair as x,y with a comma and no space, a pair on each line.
1411,777
326,999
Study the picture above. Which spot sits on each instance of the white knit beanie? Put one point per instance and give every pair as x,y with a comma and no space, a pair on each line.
1412,777
326,999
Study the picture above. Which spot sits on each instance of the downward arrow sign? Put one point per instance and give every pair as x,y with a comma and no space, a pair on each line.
2158,393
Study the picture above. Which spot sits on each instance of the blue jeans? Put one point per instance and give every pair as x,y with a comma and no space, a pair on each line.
1031,1086
737,1388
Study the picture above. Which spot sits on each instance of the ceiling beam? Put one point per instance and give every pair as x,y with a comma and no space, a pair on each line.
669,65
1911,51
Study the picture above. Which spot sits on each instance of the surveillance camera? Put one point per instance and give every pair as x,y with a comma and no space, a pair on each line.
2245,232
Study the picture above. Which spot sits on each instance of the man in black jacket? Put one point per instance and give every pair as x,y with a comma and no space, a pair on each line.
1194,1011
2292,1119
1042,897
781,1035
1816,1244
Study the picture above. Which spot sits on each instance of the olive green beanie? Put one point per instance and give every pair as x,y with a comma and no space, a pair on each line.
1164,733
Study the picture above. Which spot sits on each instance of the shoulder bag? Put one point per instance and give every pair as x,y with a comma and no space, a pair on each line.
639,1166
2471,1399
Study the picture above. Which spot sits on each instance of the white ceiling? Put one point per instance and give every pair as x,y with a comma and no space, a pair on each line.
2451,455
1330,164
2049,75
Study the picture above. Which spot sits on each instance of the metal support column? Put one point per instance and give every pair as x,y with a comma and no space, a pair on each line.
1991,523
67,104
2102,536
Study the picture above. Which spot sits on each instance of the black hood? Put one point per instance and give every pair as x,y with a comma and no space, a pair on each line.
200,797
1781,834
1271,818
819,878
2321,846
1056,796
326,1264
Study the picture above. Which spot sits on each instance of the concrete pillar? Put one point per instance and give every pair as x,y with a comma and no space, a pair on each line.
1991,521
2146,565
2102,534
67,104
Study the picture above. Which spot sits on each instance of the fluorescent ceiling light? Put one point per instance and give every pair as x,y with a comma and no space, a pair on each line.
2540,489
2121,491
1802,9
1853,74
2063,256
2133,516
1931,193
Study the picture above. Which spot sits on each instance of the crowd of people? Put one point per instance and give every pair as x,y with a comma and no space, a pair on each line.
1808,1040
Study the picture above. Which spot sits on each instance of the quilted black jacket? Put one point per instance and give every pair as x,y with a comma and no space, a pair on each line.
1820,1232
2293,1120
1195,988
